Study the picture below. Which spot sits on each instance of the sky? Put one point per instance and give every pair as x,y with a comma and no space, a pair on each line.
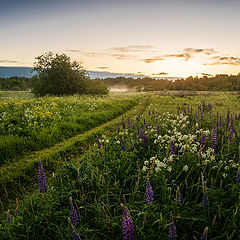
158,38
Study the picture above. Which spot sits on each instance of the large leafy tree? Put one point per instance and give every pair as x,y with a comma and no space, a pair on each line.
57,75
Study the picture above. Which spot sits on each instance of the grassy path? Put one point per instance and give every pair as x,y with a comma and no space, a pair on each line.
19,178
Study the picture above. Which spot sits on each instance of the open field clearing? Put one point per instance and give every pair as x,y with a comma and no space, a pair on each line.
33,124
167,169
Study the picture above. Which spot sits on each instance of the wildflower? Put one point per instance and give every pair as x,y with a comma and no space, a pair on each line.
123,123
129,122
238,175
41,178
172,147
172,228
169,168
149,193
141,133
214,138
185,168
8,217
127,224
73,213
204,199
75,235
158,129
205,232
228,119
99,143
118,128
178,197
202,143
123,147
145,139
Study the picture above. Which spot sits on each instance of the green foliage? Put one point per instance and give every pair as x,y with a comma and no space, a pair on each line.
31,125
104,177
57,75
15,83
220,82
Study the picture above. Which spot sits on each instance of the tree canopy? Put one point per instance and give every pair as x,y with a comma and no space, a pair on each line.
57,75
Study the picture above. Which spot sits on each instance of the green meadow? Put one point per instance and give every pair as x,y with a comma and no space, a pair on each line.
157,165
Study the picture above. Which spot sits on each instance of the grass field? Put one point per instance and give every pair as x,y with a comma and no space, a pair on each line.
169,168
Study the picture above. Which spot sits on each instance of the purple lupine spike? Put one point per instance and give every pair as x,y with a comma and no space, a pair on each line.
231,134
172,147
75,235
8,217
238,175
172,227
133,125
232,124
123,123
239,116
123,147
127,225
73,213
118,128
149,113
178,112
141,133
202,142
145,138
228,119
178,197
205,233
195,137
204,199
99,143
149,193
214,138
41,178
158,129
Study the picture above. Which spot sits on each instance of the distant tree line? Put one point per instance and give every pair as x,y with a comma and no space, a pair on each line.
220,82
16,83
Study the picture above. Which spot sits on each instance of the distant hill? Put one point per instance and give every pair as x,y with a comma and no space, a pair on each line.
26,72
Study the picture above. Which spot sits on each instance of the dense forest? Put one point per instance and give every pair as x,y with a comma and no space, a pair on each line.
220,82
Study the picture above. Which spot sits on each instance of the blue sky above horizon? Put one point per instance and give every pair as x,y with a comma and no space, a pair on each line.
174,38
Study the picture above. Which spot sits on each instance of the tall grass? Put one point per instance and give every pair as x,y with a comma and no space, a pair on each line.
109,174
